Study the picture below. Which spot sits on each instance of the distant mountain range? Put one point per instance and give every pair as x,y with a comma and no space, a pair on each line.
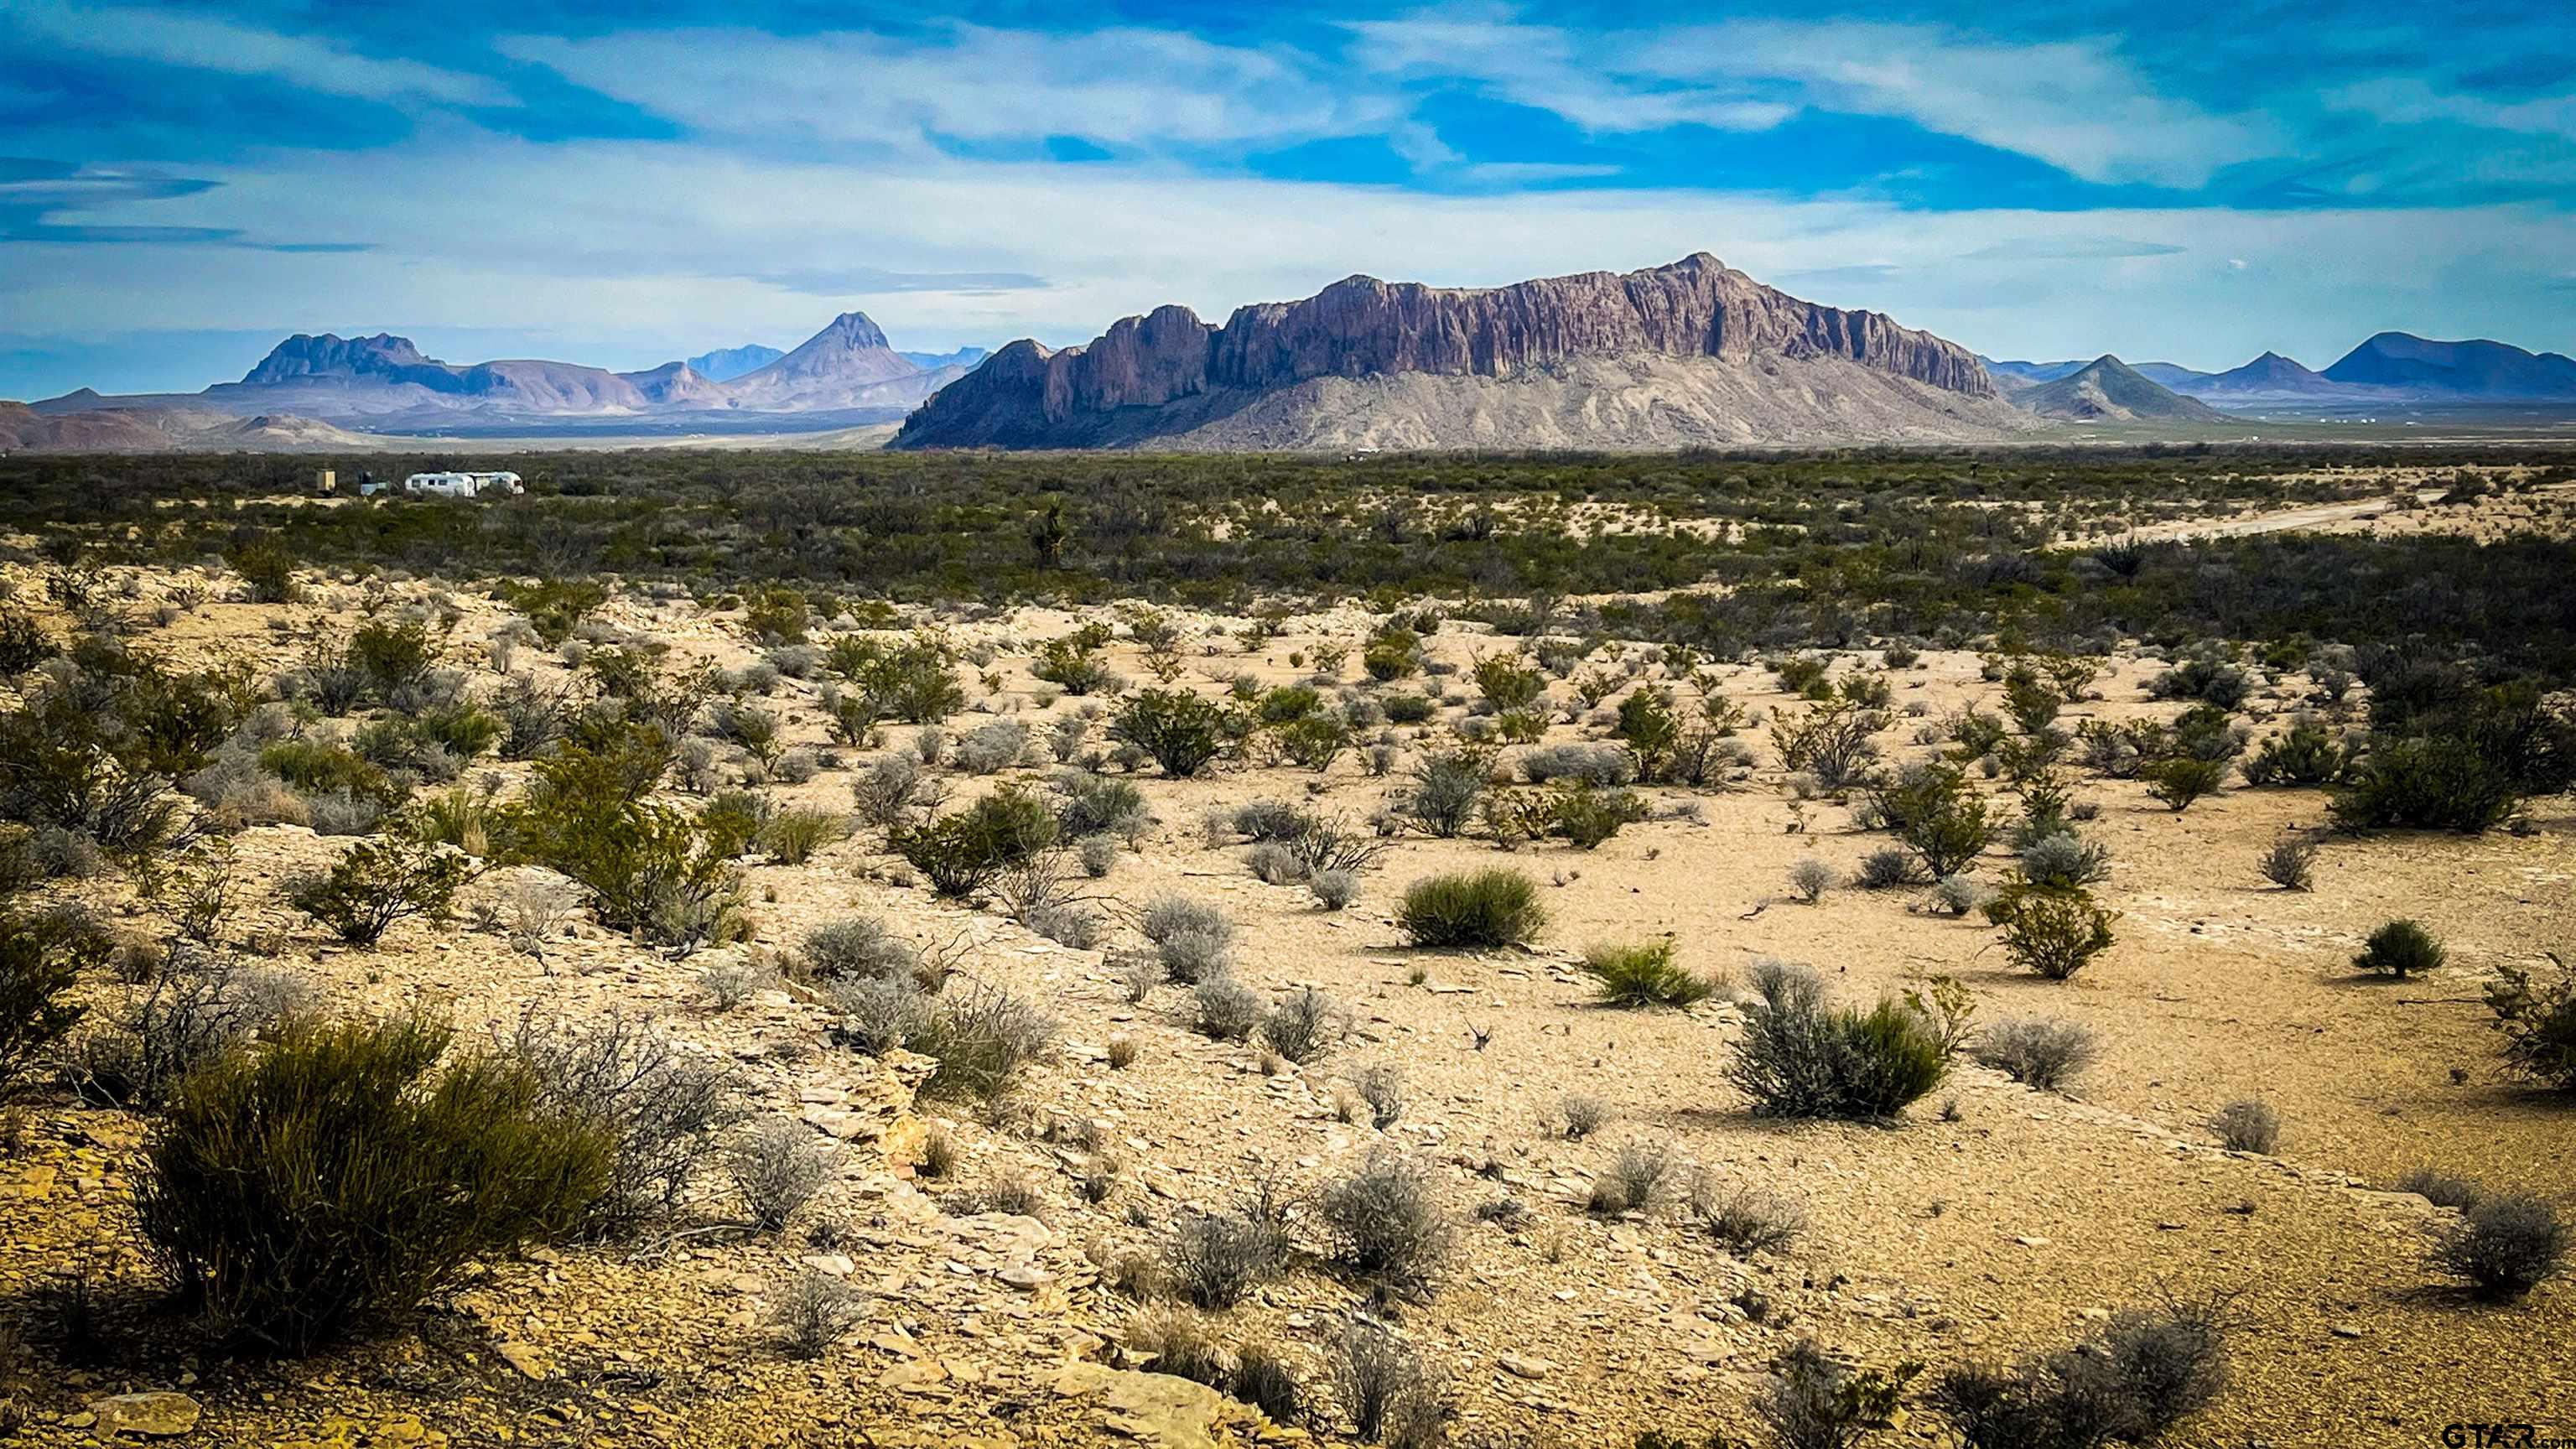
1686,355
845,375
2393,371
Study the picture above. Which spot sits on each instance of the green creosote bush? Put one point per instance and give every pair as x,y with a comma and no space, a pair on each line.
376,883
1180,729
1644,974
1483,908
339,1171
2053,933
962,853
1801,1056
2401,948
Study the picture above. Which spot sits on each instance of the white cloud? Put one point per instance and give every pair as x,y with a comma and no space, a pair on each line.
204,42
2073,104
1114,87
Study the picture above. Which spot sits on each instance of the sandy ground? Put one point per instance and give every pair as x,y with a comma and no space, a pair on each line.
2011,1224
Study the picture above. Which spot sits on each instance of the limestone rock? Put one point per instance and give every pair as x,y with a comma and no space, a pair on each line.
157,1414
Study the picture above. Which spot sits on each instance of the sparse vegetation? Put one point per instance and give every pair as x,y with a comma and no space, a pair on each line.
1484,908
1803,1057
1644,974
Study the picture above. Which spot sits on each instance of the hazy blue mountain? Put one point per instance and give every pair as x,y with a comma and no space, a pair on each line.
727,363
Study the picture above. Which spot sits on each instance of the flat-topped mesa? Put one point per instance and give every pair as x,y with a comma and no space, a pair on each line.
1362,327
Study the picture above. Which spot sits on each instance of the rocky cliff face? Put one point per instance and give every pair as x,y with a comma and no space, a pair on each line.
1696,308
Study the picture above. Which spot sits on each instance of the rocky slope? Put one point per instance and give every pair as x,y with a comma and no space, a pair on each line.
1694,351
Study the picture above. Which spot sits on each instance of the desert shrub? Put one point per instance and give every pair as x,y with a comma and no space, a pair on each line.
1814,1402
647,868
1194,937
2039,1051
1383,1222
1446,787
1214,1259
24,644
992,747
2504,1246
1585,817
1810,878
1089,804
1067,923
1303,1026
961,853
1273,863
1313,742
1583,1115
911,681
2054,933
1887,869
2440,1188
2307,753
1406,709
378,882
982,1038
1644,974
1505,681
2436,782
338,1171
2179,781
1471,909
1380,1384
2065,861
1746,1218
886,790
1803,1057
1934,810
1223,1009
1958,895
1583,764
2538,1020
2148,1371
2401,948
317,766
189,1009
1074,663
2207,676
1099,855
817,1311
878,1013
859,947
1632,1180
41,957
1264,1379
2247,1124
1379,1086
663,1109
792,836
1181,730
1831,740
778,1167
1183,1344
2290,864
1334,889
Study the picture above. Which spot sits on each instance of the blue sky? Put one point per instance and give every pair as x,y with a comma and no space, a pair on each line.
181,184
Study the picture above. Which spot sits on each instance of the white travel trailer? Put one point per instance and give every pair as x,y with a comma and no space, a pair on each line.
461,485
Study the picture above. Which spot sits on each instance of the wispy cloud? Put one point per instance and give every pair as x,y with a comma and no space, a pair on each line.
874,282
208,43
2068,248
37,195
1118,87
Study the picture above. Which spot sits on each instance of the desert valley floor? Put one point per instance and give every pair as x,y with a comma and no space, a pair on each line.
1991,1220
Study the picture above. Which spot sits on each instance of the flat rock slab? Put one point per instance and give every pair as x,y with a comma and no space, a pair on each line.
155,1415
1160,1409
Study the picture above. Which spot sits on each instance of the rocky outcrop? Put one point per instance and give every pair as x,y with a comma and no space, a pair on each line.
1695,309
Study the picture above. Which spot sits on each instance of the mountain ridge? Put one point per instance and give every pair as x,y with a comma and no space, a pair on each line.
1167,374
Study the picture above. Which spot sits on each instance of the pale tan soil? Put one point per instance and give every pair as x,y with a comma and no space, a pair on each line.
2007,1230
